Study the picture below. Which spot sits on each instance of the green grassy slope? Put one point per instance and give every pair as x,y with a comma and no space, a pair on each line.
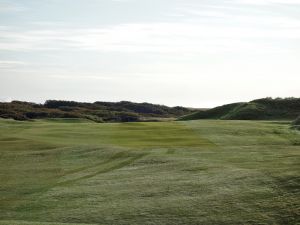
260,109
214,113
193,172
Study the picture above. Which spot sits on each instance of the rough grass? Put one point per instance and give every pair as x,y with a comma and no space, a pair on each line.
194,172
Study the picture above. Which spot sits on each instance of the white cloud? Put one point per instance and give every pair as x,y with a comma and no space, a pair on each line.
5,64
63,56
10,7
152,37
213,29
268,2
122,1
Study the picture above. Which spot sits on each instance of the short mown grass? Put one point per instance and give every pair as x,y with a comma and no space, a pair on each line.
193,172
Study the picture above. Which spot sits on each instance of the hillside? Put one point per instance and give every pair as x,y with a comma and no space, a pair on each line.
259,109
123,111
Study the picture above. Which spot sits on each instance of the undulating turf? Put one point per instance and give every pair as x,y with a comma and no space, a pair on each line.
195,172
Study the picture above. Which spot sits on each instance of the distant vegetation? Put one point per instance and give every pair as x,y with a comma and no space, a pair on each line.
124,111
260,109
98,111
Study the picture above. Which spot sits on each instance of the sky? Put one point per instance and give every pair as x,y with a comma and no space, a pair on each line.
195,53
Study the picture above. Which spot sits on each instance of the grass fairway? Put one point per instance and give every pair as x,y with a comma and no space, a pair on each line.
196,172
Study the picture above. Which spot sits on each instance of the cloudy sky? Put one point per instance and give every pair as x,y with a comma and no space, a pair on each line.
198,53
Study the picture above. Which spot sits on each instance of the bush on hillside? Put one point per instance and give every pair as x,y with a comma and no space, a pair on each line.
296,123
98,111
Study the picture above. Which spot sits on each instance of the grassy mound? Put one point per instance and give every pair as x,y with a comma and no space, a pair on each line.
214,113
260,109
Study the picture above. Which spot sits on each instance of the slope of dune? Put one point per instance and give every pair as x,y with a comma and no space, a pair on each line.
260,109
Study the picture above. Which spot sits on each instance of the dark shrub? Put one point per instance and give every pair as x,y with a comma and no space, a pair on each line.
36,115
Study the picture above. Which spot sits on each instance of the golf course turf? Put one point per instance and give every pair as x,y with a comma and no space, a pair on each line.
70,171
